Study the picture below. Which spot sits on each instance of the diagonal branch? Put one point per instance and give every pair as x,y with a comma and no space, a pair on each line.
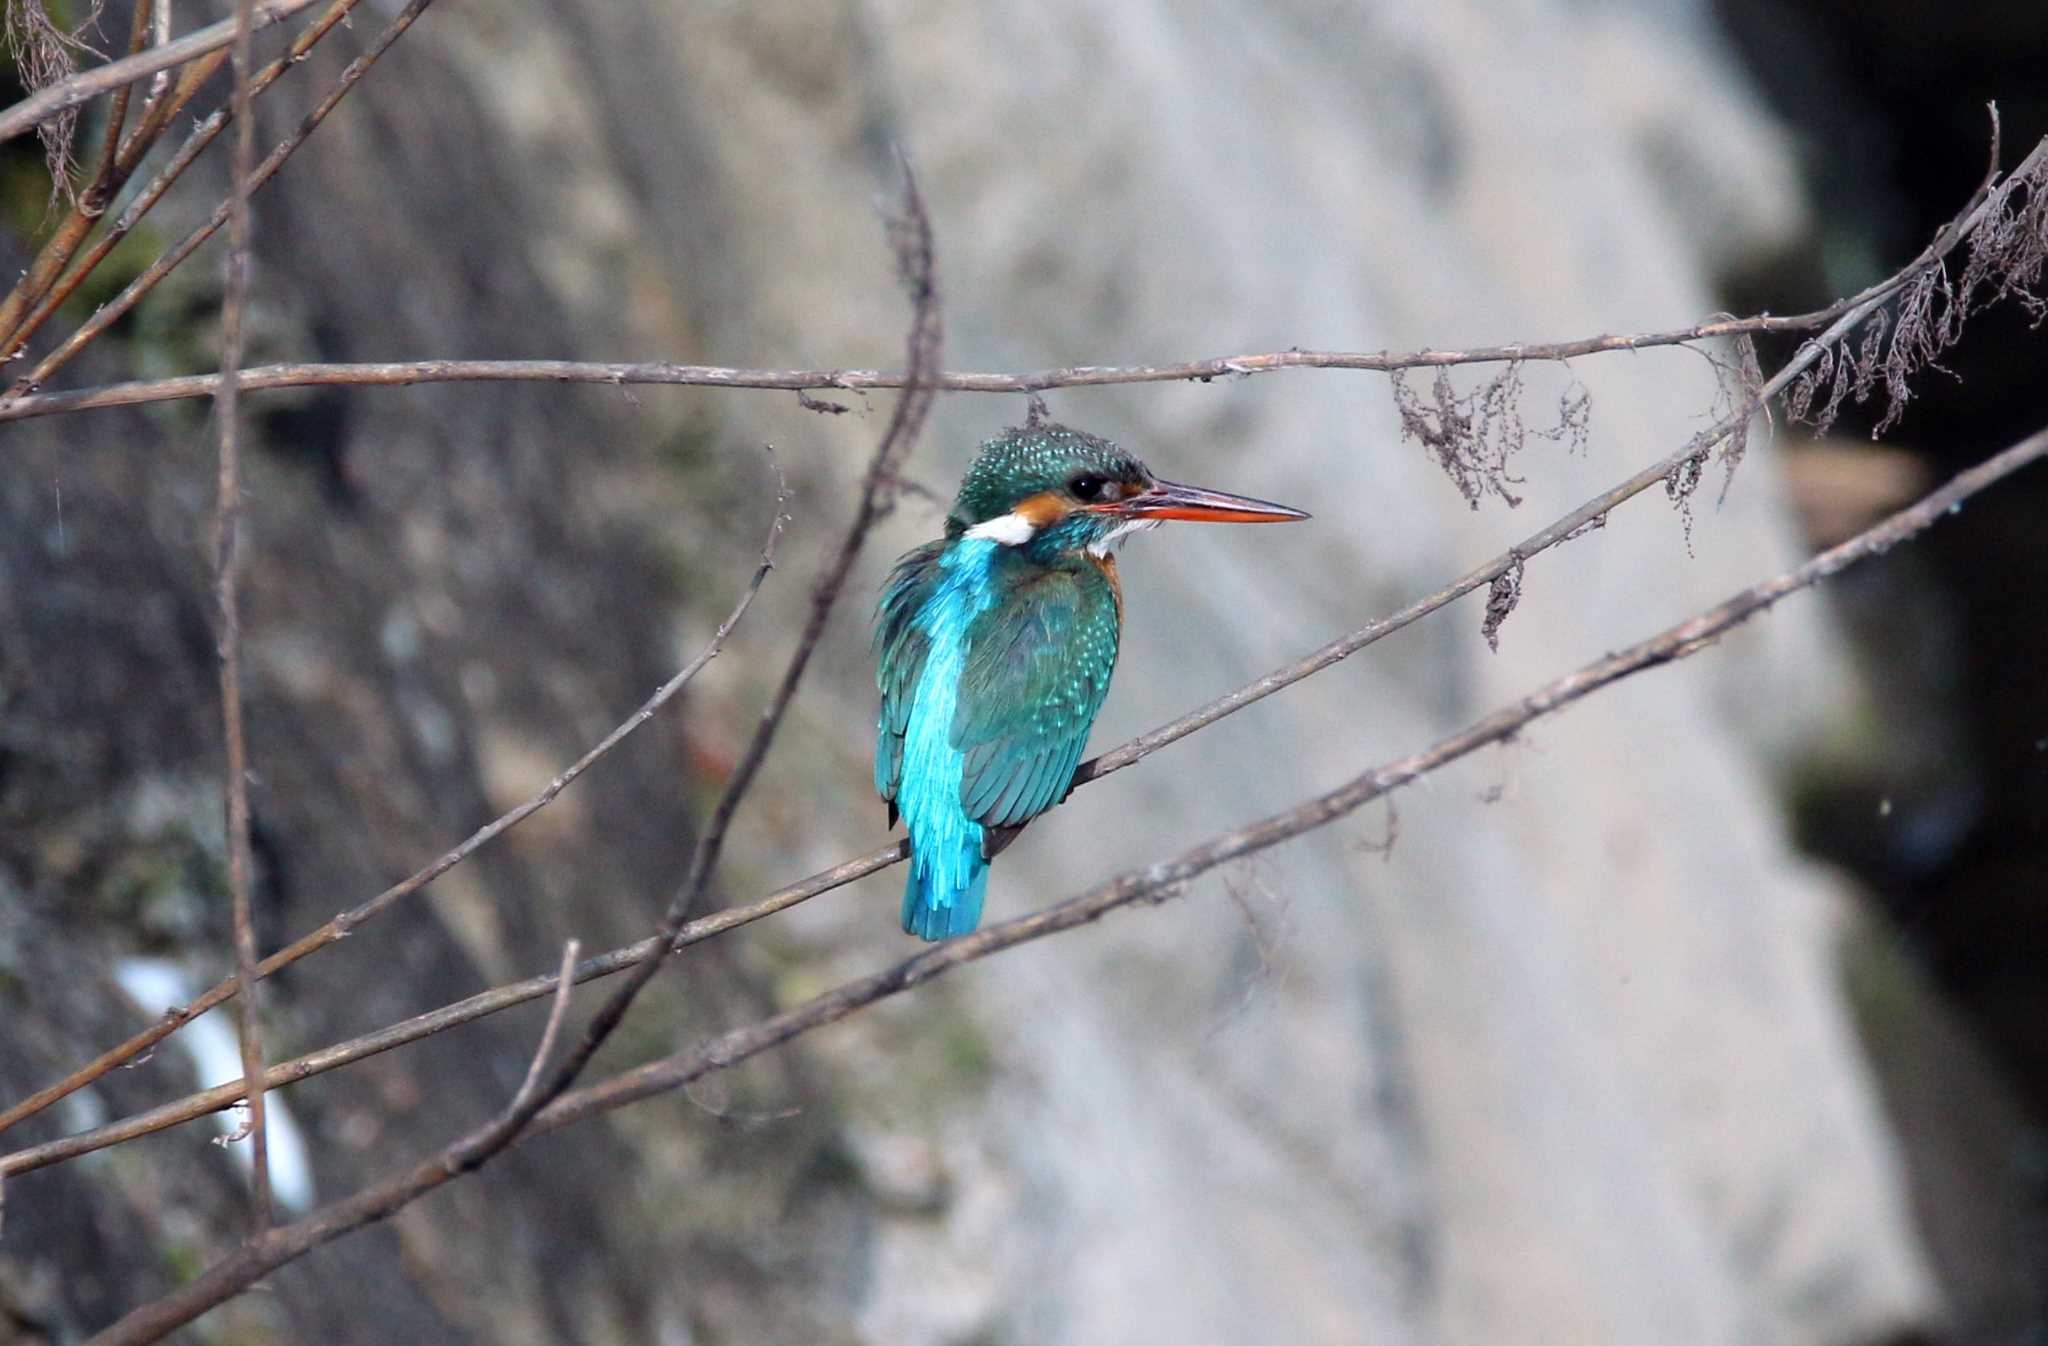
565,982
912,236
1152,884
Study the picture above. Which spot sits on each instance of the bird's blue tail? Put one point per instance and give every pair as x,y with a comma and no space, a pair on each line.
942,897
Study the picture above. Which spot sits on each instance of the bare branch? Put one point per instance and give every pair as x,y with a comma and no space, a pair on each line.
565,981
49,102
227,541
20,402
342,924
1151,884
408,373
86,208
103,185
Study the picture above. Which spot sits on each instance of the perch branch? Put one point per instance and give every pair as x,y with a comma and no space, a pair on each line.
1154,884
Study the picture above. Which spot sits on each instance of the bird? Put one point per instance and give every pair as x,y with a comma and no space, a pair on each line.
994,647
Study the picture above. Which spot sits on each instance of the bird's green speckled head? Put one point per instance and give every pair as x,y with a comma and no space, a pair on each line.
1052,490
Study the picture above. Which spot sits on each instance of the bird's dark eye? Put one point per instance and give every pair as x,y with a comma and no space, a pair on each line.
1088,486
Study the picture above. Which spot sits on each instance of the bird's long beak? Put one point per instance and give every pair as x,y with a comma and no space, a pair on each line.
1171,500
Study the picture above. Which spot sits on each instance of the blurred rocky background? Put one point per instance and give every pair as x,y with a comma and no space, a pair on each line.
1707,1013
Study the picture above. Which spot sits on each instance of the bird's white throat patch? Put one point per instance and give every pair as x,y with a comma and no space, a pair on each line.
1101,546
1012,529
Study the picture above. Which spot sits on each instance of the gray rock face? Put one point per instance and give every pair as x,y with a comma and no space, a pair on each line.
1563,1062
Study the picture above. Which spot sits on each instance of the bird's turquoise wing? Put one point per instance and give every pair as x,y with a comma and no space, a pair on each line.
1038,666
900,649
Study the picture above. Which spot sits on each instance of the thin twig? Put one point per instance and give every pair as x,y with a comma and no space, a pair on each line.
103,183
86,206
257,1259
160,16
565,982
407,373
342,924
227,545
116,308
21,401
53,99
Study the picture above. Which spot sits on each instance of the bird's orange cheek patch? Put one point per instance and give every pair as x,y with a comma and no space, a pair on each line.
1042,510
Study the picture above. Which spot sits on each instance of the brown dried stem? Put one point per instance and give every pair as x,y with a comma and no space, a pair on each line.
54,99
565,982
49,298
117,114
153,275
227,545
85,208
1153,884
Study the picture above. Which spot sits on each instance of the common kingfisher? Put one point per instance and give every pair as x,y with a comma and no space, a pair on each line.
994,648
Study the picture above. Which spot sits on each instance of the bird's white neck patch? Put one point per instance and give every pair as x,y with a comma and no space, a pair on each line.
1102,545
1012,529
